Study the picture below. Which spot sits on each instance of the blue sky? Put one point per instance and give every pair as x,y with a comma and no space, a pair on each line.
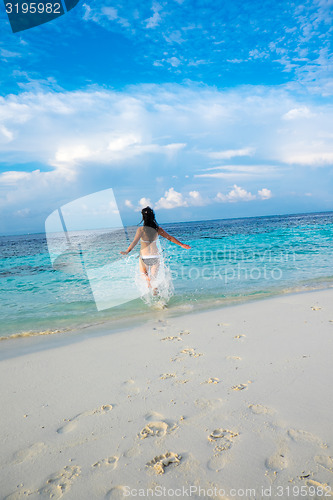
202,109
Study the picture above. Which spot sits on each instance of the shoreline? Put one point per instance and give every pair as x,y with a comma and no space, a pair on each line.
28,342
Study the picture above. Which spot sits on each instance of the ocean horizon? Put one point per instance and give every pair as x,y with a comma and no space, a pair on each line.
230,260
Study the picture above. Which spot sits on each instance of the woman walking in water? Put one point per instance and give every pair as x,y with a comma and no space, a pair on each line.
148,235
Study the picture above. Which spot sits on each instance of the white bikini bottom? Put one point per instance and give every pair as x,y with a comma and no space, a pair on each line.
150,260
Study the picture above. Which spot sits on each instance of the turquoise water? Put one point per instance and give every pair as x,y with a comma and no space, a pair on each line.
230,260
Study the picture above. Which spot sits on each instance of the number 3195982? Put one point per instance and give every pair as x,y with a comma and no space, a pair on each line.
33,8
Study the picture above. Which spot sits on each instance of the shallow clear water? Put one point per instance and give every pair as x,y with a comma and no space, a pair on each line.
230,260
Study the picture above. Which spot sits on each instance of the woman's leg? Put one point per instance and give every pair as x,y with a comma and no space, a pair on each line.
144,271
153,274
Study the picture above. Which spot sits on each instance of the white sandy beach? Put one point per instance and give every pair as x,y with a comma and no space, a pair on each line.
227,400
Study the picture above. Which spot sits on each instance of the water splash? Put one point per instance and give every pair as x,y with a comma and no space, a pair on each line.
158,290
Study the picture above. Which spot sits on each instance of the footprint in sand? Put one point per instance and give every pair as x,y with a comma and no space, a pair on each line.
56,486
211,380
28,453
71,423
158,426
325,462
223,439
184,332
17,495
208,404
278,461
100,410
160,326
130,387
299,435
218,461
234,358
261,410
241,387
159,463
132,452
223,436
238,337
153,415
188,351
320,490
172,338
69,426
117,492
60,483
191,352
110,462
165,376
315,308
158,429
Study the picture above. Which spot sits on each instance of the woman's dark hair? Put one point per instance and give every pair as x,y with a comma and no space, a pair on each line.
148,218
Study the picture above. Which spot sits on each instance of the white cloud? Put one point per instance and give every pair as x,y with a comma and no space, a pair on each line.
11,177
297,113
265,194
236,194
325,3
110,12
7,134
35,195
129,204
155,19
231,153
195,199
239,171
257,54
76,142
174,61
235,61
144,202
72,155
87,12
310,158
124,141
240,194
223,175
292,38
5,54
24,212
51,127
171,199
103,15
198,62
174,199
174,37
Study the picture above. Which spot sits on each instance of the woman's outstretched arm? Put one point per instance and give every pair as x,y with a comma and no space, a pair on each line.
172,238
134,242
